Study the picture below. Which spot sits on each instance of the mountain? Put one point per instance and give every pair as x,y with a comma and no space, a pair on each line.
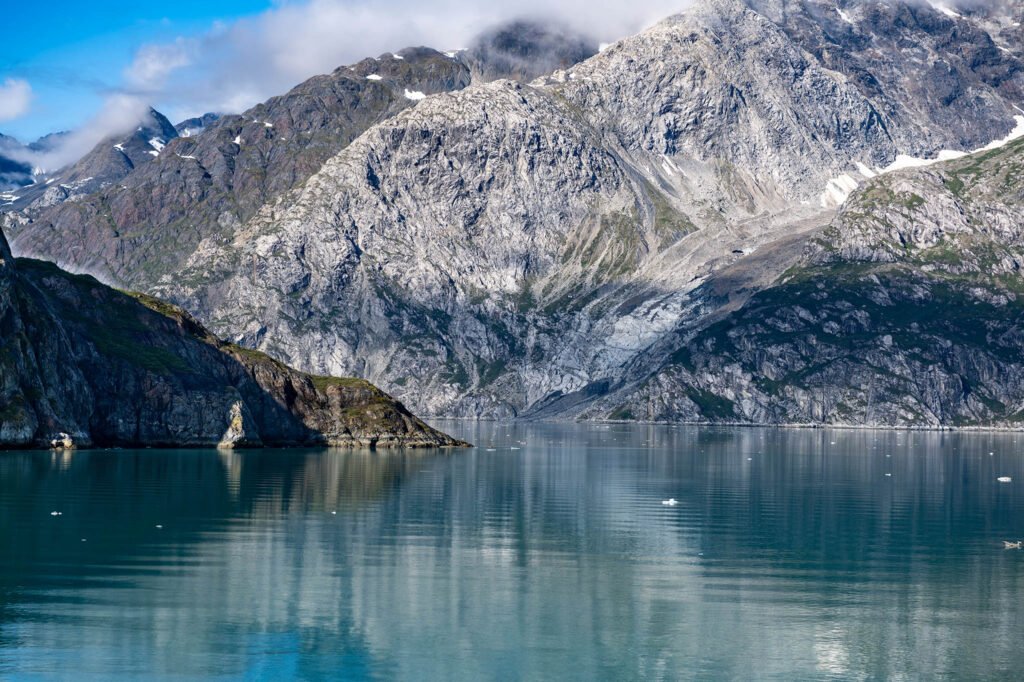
107,163
552,248
514,250
110,368
524,50
907,310
204,186
194,126
13,172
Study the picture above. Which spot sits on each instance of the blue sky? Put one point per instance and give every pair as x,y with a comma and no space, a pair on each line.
94,67
72,53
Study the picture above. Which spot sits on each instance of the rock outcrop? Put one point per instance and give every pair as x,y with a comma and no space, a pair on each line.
85,365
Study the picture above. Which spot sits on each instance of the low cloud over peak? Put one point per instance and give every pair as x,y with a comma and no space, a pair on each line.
235,66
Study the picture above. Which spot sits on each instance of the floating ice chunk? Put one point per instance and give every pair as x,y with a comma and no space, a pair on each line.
1005,479
374,77
670,502
414,95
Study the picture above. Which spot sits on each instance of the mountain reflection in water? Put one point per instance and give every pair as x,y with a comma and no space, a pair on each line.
545,553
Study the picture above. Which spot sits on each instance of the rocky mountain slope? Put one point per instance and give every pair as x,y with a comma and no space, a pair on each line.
110,368
542,249
107,163
907,310
206,185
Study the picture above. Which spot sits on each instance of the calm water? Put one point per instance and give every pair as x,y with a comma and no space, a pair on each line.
545,553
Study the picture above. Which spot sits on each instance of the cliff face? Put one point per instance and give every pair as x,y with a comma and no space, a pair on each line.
109,368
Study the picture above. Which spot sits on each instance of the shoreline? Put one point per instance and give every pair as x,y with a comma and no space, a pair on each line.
750,425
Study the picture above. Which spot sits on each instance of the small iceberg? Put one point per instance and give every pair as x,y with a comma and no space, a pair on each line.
1005,479
1013,545
671,502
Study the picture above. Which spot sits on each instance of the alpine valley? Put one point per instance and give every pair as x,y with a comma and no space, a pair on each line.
754,211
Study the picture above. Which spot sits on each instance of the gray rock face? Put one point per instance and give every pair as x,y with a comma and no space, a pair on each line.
511,250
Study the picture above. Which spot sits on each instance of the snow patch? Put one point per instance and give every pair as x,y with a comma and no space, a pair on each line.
237,140
945,9
670,167
398,57
414,95
845,16
903,161
119,147
153,152
267,124
865,171
374,77
186,156
157,144
838,189
603,46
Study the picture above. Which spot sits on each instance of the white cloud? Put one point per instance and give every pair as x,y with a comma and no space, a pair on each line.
153,63
234,66
237,65
120,114
15,98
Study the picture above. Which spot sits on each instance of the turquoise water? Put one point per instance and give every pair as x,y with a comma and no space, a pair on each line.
544,553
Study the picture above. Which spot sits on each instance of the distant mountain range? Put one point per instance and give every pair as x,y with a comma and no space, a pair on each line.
730,217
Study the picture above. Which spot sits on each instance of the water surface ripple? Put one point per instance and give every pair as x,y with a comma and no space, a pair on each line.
544,553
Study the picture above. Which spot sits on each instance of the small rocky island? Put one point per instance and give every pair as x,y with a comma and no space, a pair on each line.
82,364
